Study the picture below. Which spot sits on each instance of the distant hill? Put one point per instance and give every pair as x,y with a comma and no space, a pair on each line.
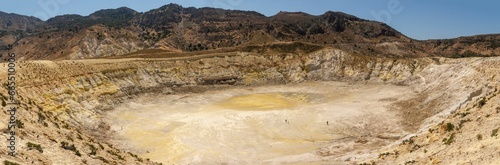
13,22
480,45
115,32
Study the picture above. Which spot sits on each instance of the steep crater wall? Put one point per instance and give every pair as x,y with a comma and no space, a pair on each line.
75,93
83,88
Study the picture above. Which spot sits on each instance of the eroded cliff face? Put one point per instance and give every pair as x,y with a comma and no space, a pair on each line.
82,88
463,128
67,98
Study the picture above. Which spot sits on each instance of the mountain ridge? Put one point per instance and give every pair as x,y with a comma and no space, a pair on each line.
115,32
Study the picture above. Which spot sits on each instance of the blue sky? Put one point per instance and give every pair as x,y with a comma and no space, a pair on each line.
419,19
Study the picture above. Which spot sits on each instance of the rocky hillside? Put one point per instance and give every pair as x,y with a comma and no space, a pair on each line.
13,22
469,132
174,28
481,45
115,32
14,26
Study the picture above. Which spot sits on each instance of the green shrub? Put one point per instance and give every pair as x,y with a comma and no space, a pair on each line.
19,124
449,127
3,103
479,137
494,132
41,117
100,146
449,140
93,149
482,102
65,126
135,156
6,162
115,154
77,153
79,136
409,141
383,154
37,147
102,159
66,146
410,162
461,123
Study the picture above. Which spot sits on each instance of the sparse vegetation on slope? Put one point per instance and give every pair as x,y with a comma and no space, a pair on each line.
116,32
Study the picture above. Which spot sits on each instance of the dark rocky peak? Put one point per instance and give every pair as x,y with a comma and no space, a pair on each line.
286,13
9,21
116,18
172,8
295,21
220,15
119,13
340,22
292,16
226,11
164,16
64,19
331,17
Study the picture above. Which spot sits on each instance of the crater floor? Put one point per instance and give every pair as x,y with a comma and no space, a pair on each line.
268,124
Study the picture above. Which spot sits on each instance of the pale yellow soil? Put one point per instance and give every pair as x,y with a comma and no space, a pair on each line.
222,127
